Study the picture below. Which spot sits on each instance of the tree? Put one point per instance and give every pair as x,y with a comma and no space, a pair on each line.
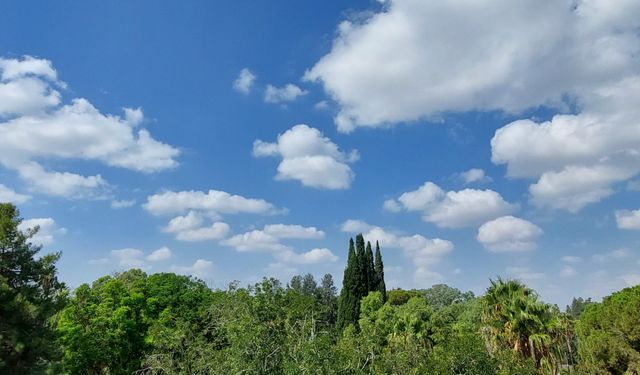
577,306
442,295
515,319
370,273
30,295
349,302
609,334
379,274
296,283
327,299
362,287
309,285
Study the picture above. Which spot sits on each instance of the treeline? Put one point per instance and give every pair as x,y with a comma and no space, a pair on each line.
134,323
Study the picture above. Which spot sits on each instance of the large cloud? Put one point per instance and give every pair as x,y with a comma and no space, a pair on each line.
35,125
508,234
416,59
452,209
309,157
195,206
424,252
269,239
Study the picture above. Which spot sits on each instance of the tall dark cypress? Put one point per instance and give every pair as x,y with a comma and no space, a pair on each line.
379,272
349,302
370,273
361,277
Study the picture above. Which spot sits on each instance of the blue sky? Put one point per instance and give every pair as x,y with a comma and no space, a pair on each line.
237,139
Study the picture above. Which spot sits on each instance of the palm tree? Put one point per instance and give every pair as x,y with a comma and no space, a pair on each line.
514,318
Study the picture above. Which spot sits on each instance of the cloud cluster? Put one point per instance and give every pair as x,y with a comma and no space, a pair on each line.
288,93
47,230
309,157
452,209
9,195
424,252
244,82
269,239
509,234
627,219
36,125
398,65
192,207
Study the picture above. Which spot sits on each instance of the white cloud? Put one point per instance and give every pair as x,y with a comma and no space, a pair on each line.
391,205
288,93
398,65
474,175
576,159
159,255
189,228
313,256
454,209
628,219
34,124
213,203
117,204
269,240
129,258
8,195
424,252
201,269
309,157
244,82
508,234
47,231
618,254
524,273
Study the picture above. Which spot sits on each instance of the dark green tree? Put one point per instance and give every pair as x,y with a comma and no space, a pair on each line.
309,285
349,302
378,268
30,295
327,299
296,283
370,273
361,275
577,306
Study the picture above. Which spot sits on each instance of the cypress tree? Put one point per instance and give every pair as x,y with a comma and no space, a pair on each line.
361,277
349,302
379,272
370,273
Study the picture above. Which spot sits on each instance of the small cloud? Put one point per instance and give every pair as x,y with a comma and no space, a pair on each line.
524,273
201,269
117,204
244,82
474,175
622,253
288,93
508,234
321,105
629,220
571,259
8,195
568,271
47,231
161,254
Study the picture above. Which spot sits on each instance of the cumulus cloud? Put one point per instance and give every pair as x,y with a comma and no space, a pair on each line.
508,234
452,209
201,269
424,252
161,254
398,65
47,230
244,82
9,195
309,157
133,258
269,239
627,219
288,93
474,175
213,203
190,228
35,124
618,254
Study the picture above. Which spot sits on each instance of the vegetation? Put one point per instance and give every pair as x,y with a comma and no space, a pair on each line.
134,323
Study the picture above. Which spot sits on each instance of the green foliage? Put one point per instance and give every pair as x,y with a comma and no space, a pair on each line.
349,302
609,334
441,295
398,297
30,296
577,306
378,268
